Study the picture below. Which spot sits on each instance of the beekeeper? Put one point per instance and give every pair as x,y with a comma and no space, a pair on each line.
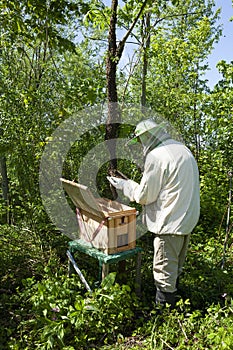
169,193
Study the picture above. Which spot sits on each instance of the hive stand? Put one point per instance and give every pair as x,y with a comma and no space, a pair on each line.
105,260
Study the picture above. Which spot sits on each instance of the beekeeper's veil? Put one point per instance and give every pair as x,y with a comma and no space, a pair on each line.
149,134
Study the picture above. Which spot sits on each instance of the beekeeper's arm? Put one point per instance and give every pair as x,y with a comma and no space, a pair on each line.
147,191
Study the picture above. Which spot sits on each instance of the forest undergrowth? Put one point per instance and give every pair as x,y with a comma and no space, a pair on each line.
42,308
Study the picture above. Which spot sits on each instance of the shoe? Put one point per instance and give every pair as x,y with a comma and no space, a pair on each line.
163,298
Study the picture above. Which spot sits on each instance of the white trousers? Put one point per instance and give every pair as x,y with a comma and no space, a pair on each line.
169,256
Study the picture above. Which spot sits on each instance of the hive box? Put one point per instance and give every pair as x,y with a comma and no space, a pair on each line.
108,225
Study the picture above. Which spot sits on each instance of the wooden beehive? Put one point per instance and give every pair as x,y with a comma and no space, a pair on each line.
108,225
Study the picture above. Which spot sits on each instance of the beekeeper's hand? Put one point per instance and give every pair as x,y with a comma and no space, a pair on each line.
116,182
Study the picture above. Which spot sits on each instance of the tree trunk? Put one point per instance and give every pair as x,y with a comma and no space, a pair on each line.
113,56
113,119
5,190
3,171
145,47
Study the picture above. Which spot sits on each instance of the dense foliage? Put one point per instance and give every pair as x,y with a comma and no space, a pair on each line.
52,56
47,310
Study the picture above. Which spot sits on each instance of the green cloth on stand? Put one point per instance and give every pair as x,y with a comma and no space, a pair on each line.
87,248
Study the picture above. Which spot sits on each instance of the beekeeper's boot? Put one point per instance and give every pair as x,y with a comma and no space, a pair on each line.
163,298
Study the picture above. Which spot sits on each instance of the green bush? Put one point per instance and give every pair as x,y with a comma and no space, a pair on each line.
41,308
192,330
56,313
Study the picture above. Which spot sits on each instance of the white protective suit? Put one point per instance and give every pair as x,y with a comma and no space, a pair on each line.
169,189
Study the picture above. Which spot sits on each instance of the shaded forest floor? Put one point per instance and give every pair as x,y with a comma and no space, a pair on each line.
42,308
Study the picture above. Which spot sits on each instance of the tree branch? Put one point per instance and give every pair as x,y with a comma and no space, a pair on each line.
121,44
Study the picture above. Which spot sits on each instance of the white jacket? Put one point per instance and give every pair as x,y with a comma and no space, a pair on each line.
169,189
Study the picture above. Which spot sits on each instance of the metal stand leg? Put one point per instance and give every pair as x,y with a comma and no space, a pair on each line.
69,268
138,275
105,270
71,259
100,272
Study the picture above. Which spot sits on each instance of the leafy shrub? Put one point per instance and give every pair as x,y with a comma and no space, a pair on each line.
56,313
191,330
204,280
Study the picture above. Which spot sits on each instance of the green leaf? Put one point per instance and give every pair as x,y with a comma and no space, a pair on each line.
109,280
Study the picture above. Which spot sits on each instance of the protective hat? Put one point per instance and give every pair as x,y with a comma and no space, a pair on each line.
145,126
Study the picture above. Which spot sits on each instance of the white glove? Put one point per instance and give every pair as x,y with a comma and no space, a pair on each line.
116,182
